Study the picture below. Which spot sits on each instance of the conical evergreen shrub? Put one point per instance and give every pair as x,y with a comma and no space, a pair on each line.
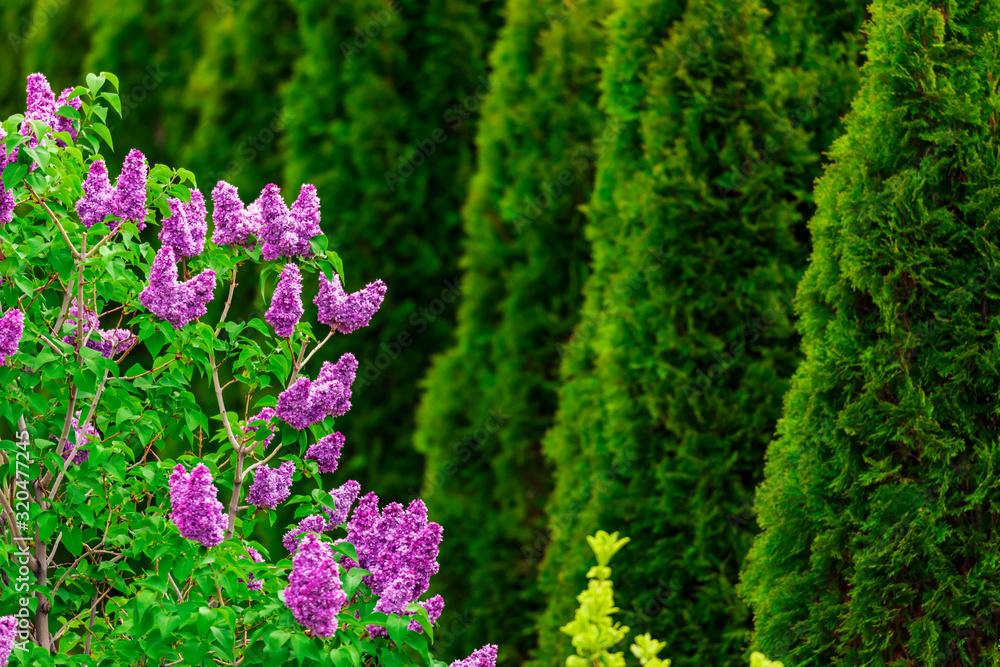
385,99
880,502
675,371
491,396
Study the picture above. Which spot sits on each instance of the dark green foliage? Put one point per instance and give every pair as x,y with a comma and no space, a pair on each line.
675,371
491,396
879,506
384,100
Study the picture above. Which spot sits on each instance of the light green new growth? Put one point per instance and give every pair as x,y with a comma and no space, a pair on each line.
595,632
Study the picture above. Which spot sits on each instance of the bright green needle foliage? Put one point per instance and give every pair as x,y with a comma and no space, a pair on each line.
674,374
879,505
385,99
492,395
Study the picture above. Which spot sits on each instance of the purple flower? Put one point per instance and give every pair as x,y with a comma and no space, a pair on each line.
11,330
484,657
64,123
195,508
174,301
111,341
114,341
286,302
398,546
348,312
253,583
7,203
233,223
434,607
6,159
314,523
41,106
8,632
307,401
129,199
314,593
187,225
343,498
326,452
266,414
95,205
271,485
80,438
287,232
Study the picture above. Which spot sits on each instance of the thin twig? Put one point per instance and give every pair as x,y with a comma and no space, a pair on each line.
76,253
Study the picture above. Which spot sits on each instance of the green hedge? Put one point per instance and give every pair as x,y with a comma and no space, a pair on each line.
879,510
491,396
674,375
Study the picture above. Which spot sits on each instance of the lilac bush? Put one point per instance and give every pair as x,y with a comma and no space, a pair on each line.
130,512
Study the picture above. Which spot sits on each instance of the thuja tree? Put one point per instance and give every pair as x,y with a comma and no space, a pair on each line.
878,507
491,396
674,373
402,171
127,512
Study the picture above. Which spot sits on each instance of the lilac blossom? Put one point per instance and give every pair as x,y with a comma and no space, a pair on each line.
307,402
348,312
286,233
95,205
111,341
343,499
484,657
314,592
195,508
286,302
271,486
129,199
65,123
6,159
7,204
434,607
399,547
233,223
174,301
185,229
80,438
252,582
266,414
314,523
8,633
11,330
326,452
41,107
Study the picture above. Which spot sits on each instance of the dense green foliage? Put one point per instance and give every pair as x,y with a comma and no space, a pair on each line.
384,100
879,506
491,396
675,372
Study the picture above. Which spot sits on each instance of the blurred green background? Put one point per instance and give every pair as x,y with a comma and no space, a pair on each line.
540,183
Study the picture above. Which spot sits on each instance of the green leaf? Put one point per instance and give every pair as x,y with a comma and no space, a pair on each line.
115,102
105,134
13,174
112,78
94,83
66,111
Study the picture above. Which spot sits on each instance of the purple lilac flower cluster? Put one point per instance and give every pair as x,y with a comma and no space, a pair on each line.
185,229
287,232
112,341
266,414
80,438
271,486
126,200
343,499
174,301
484,657
195,508
434,607
326,452
233,224
314,592
8,633
399,547
252,582
286,302
11,330
313,523
307,402
348,312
